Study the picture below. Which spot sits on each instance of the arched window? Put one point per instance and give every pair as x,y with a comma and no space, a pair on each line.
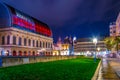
8,39
25,41
14,40
25,53
8,53
36,43
3,40
33,53
20,41
29,42
14,53
20,53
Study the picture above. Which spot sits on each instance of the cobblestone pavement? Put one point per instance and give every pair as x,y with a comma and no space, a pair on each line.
107,71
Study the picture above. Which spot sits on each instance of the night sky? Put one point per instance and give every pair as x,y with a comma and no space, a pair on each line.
80,18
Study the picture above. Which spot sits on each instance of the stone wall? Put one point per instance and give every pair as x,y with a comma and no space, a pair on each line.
11,61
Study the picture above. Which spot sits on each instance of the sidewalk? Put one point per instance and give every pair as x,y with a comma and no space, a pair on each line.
106,71
115,63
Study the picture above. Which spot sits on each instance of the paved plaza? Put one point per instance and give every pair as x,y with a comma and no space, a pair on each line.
110,69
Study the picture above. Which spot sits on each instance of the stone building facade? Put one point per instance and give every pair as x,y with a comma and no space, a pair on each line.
23,35
85,46
64,48
115,27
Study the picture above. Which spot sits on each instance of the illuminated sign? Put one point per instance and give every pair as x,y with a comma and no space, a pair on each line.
30,24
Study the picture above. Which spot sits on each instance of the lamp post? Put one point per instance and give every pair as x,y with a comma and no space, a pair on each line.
95,42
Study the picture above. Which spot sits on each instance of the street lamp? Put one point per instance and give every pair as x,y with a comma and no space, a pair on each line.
95,42
74,38
98,49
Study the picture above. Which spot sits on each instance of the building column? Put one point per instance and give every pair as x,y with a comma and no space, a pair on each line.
31,43
5,39
11,39
17,40
41,44
35,43
38,43
27,42
22,43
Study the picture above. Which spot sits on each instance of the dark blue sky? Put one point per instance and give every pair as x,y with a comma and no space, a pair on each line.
80,18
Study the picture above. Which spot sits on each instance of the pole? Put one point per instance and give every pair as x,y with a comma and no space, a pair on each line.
95,54
73,48
95,42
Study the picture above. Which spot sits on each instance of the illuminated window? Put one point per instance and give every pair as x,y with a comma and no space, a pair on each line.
25,53
8,39
14,53
14,40
8,53
114,31
33,53
3,40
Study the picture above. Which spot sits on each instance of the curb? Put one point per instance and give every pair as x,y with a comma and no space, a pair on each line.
95,76
118,73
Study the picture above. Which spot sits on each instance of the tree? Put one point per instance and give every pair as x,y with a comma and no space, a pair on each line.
112,42
116,42
108,42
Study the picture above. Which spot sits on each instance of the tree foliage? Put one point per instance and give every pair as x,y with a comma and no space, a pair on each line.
112,42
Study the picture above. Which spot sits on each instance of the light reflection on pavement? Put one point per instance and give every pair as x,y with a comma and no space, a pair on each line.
106,72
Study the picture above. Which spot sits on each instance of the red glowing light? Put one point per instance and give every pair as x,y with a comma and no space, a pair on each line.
37,27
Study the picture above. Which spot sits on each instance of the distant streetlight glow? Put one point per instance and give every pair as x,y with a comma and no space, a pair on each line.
74,38
95,42
98,49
